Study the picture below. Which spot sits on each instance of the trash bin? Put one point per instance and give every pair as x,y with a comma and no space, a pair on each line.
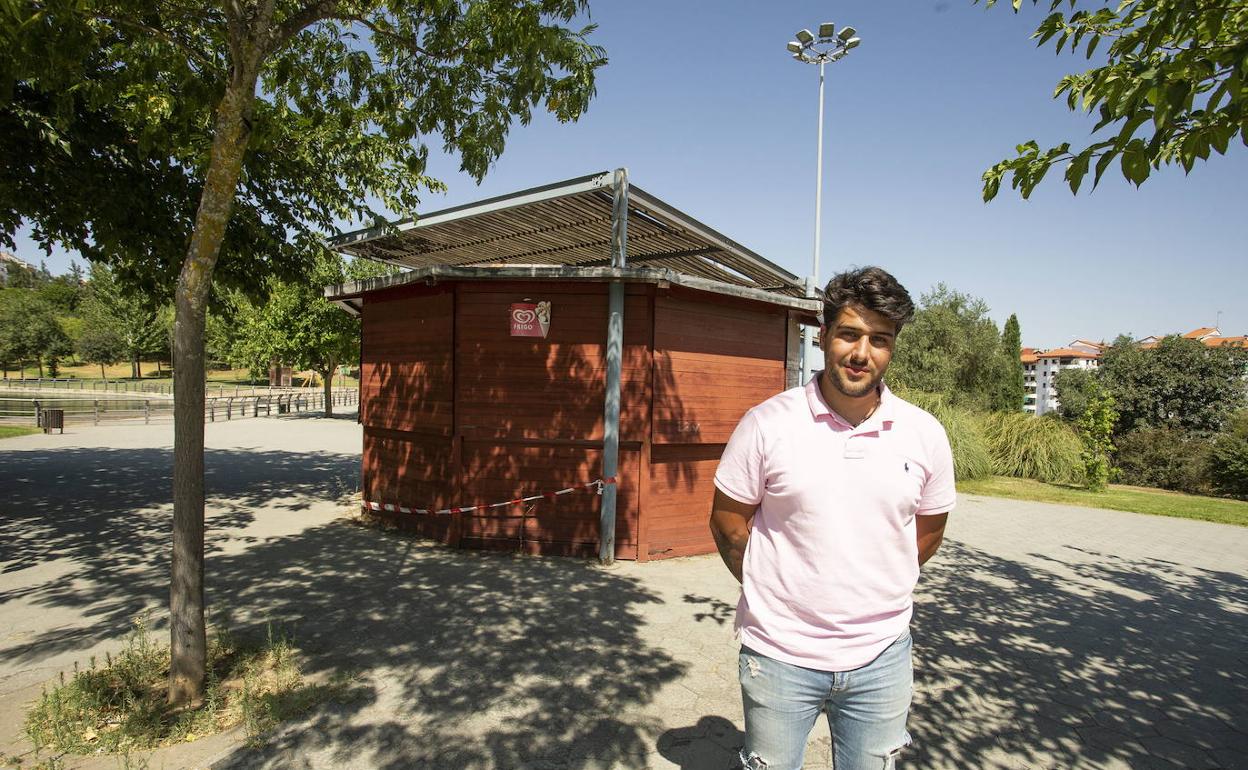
283,407
53,418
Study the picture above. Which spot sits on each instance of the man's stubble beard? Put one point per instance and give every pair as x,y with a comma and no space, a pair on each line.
847,389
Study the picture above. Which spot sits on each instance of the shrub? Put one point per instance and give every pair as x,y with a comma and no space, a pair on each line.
1166,458
1228,458
1031,447
966,437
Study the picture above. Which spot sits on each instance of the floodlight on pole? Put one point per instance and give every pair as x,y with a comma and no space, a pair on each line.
831,46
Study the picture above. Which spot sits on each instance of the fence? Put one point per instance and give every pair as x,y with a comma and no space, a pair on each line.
136,386
28,411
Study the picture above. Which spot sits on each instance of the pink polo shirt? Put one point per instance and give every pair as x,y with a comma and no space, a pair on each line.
832,560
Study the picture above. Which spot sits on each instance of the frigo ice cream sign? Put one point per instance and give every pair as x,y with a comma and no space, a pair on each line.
530,319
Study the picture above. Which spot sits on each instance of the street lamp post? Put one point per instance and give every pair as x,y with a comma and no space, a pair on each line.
828,46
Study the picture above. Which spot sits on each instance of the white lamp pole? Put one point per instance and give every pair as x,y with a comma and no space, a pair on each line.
828,46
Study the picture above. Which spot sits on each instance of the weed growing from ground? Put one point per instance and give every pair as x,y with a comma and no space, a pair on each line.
119,705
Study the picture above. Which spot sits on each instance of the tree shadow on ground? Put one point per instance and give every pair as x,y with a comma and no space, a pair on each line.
462,659
489,660
88,529
1098,662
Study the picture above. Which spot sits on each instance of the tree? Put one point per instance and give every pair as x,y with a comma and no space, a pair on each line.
1229,458
1074,390
1012,391
101,344
1171,90
298,326
1096,432
951,347
125,312
29,330
1181,384
231,133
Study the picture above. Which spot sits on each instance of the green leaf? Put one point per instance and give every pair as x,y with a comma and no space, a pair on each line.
1135,163
1077,170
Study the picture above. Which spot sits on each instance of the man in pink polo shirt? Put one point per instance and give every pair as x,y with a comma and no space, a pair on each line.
828,499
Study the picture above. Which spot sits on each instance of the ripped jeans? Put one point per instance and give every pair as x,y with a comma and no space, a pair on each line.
866,708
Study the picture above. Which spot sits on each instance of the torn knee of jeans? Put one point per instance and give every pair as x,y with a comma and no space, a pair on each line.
752,663
890,759
751,761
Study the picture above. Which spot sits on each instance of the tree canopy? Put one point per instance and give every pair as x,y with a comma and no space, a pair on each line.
952,348
1171,90
295,325
30,332
176,137
1012,389
114,312
1181,384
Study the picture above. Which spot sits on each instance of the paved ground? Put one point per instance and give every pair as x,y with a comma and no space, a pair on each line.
1045,636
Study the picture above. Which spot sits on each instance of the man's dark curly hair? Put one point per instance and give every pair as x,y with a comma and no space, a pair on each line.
871,288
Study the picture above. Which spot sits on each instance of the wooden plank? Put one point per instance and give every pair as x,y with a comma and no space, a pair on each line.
682,486
493,473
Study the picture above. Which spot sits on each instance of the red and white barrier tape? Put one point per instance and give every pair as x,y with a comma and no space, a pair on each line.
391,508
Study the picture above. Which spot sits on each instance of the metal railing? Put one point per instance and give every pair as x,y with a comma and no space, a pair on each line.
140,386
78,410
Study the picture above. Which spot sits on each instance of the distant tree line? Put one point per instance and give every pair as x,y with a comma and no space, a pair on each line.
1173,416
99,318
1182,413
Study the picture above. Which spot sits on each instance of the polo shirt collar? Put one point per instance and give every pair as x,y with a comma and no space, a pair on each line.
883,414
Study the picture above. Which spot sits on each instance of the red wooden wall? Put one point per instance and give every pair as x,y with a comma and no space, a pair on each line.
458,412
406,402
713,360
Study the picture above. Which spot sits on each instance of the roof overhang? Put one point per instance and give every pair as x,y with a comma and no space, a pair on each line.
348,296
569,224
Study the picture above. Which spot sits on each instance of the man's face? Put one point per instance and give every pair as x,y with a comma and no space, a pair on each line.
857,347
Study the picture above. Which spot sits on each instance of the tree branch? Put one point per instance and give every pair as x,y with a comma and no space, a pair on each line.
300,20
163,34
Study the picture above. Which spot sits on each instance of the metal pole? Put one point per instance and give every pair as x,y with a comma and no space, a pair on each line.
809,352
615,350
818,181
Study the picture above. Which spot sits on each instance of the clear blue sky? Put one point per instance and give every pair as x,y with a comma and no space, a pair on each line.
706,109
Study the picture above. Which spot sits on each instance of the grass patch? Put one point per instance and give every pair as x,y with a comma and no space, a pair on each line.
118,705
1117,498
12,431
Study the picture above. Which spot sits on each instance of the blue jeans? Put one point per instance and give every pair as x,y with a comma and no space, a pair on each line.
866,708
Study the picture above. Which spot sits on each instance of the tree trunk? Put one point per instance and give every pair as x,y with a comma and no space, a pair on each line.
328,378
40,362
102,375
188,638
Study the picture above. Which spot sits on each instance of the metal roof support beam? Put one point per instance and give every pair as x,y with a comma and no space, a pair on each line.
615,352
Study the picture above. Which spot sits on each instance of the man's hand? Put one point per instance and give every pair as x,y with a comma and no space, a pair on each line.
730,524
929,531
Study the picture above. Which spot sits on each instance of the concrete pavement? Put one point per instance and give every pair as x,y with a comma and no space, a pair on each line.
1045,636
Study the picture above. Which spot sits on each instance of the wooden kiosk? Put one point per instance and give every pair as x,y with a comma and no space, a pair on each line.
554,338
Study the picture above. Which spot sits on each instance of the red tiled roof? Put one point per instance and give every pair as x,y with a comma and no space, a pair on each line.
1203,331
1214,342
1068,353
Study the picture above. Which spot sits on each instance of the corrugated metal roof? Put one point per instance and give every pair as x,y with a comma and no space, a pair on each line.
348,295
568,224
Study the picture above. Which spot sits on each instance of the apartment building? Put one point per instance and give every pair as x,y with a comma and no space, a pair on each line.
1040,367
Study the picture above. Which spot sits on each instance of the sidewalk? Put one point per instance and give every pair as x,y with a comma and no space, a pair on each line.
1045,636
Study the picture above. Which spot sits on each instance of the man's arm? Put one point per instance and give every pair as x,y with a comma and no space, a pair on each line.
730,524
929,531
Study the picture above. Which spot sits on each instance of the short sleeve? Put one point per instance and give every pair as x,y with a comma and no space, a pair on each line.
939,492
741,475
